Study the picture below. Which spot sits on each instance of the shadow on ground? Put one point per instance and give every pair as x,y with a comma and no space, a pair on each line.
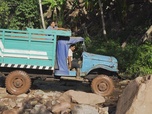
61,85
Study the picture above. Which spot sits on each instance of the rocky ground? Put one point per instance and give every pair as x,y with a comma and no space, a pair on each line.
60,97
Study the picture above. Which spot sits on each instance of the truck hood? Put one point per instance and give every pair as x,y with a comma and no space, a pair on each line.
95,60
100,57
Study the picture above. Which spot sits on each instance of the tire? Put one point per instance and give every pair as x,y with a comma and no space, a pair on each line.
17,82
102,85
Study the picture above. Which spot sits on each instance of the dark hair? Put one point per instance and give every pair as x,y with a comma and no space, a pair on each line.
72,45
50,21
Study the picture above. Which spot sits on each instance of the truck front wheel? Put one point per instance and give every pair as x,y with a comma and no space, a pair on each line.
17,82
102,85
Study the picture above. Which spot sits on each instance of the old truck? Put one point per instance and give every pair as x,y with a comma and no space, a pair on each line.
26,55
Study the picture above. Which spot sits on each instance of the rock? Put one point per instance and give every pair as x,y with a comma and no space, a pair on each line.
58,108
19,102
34,102
136,97
53,102
22,96
103,110
45,96
124,82
11,111
3,91
65,97
39,93
53,94
39,109
49,105
84,109
3,107
12,103
83,97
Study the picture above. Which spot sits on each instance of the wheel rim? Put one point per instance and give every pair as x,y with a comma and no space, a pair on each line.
18,82
102,86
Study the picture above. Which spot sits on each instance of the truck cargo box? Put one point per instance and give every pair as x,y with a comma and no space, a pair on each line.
29,49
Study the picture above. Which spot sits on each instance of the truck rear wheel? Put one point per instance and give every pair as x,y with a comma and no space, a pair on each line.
17,82
102,85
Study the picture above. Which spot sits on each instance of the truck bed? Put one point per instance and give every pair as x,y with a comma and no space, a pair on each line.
29,49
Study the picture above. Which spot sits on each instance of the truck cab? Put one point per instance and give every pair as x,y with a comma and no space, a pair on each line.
96,68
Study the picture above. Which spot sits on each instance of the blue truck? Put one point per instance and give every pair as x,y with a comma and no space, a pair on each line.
26,55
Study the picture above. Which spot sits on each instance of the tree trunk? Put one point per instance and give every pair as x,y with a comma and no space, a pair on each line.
41,11
102,18
146,36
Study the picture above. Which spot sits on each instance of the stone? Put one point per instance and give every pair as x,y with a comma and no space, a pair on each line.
136,97
12,104
124,82
38,109
3,91
22,96
58,108
83,97
49,105
84,109
11,111
39,93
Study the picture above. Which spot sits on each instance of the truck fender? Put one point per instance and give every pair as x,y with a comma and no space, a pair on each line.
103,67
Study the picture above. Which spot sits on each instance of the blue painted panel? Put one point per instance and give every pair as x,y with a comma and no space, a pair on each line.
16,44
11,60
42,46
31,47
71,74
1,60
91,61
41,62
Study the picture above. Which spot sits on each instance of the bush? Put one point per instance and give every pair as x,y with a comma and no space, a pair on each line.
142,61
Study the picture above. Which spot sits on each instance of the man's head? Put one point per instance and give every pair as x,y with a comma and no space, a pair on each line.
53,24
72,47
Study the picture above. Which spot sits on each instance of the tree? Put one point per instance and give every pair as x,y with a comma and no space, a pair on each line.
26,14
103,22
41,12
55,10
4,14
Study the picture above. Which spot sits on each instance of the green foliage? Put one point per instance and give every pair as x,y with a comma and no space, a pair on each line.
53,3
141,60
26,14
56,7
88,41
133,60
4,13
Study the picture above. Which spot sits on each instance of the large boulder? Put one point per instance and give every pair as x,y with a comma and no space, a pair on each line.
67,99
84,98
136,97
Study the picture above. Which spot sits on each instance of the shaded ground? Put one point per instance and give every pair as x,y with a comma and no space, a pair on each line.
61,85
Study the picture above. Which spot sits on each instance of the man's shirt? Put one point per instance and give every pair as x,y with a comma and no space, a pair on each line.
70,53
51,28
